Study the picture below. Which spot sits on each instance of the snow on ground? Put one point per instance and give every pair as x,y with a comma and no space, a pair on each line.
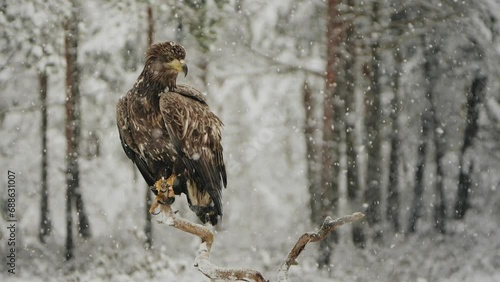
471,252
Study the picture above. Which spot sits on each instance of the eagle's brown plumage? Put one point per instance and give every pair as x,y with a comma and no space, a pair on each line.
168,129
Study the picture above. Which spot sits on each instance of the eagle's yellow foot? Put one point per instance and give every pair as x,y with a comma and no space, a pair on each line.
165,193
153,208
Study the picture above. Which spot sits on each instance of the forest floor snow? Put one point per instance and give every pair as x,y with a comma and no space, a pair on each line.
469,252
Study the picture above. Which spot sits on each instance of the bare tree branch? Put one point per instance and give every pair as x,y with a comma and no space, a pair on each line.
285,67
202,262
328,226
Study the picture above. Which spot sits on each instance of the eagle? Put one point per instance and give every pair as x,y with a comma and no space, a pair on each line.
172,136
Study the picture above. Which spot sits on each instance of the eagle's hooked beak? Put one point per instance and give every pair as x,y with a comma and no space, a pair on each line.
185,69
179,66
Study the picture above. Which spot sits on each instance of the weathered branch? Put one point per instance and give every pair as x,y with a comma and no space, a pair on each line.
328,226
203,264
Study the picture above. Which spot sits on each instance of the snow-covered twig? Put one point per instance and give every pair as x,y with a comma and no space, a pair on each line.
328,226
202,262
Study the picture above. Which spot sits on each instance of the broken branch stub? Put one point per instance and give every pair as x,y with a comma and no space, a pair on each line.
328,226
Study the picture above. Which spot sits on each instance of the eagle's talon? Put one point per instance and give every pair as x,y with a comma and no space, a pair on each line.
153,207
170,201
166,202
153,189
164,186
164,191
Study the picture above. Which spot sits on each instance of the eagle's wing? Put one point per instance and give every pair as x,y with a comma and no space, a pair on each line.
128,144
196,134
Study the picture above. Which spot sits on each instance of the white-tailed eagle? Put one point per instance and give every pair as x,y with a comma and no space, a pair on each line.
172,136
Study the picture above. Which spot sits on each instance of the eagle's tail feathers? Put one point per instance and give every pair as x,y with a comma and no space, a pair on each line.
201,203
206,214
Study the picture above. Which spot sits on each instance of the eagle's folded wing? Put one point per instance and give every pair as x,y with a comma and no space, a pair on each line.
128,144
196,134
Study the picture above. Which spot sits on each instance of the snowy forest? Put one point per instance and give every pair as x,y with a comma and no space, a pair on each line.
330,107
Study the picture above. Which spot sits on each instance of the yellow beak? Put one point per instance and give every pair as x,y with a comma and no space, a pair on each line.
179,66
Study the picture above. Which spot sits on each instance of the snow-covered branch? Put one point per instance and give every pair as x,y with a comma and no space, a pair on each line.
202,260
285,67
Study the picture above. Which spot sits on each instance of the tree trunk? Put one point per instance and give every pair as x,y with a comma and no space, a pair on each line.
330,148
352,168
148,227
474,100
75,121
373,125
393,207
151,25
440,201
45,222
83,221
310,126
439,213
418,190
73,125
179,31
72,177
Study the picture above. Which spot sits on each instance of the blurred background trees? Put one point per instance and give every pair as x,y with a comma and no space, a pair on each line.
386,107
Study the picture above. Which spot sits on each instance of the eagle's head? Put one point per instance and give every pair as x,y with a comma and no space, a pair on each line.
164,61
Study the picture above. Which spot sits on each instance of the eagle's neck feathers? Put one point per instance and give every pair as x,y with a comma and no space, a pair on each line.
147,85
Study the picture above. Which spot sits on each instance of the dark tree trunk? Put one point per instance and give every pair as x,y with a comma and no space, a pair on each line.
474,100
310,126
330,152
148,227
373,125
73,124
151,25
440,201
179,32
418,190
83,220
69,221
45,222
439,213
393,208
74,117
354,192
